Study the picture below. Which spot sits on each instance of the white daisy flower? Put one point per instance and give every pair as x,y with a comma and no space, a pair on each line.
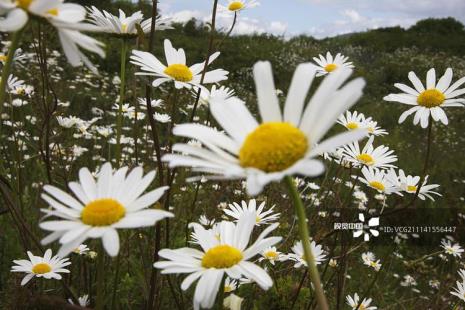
47,267
378,180
235,6
370,260
228,255
452,249
373,128
272,255
409,184
459,290
329,63
206,96
82,249
379,157
83,301
352,120
122,24
364,305
461,273
298,255
229,285
282,144
177,70
162,117
113,201
67,18
429,100
261,217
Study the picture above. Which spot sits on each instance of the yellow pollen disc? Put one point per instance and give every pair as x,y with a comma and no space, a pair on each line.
124,27
411,188
362,307
102,212
271,254
273,147
330,67
371,129
431,98
53,12
258,219
378,185
352,125
228,289
24,4
366,159
179,72
235,6
3,58
41,268
221,256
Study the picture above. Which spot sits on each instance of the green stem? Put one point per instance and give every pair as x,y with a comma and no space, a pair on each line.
305,236
220,305
100,279
119,120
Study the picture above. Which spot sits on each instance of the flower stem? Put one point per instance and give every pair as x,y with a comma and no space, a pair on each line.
119,120
304,235
100,279
9,62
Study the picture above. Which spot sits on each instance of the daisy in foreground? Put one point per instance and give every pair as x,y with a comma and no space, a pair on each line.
283,143
47,267
329,63
228,254
113,201
429,100
176,69
261,217
364,305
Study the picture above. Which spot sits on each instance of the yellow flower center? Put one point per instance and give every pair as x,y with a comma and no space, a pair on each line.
124,27
257,219
366,159
24,4
179,72
53,12
352,125
378,185
273,147
228,288
235,6
41,268
330,67
362,307
102,212
411,188
3,58
431,98
221,256
271,254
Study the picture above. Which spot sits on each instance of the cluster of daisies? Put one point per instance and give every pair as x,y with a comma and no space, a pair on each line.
288,138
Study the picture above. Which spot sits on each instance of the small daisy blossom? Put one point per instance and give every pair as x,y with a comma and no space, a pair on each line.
379,157
176,69
122,24
459,290
409,184
364,305
235,6
113,201
356,120
221,93
261,217
81,249
329,63
272,255
227,255
378,180
430,100
370,260
452,249
284,143
83,301
298,254
47,267
229,285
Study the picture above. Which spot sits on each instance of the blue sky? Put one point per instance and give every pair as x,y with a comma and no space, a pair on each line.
319,18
